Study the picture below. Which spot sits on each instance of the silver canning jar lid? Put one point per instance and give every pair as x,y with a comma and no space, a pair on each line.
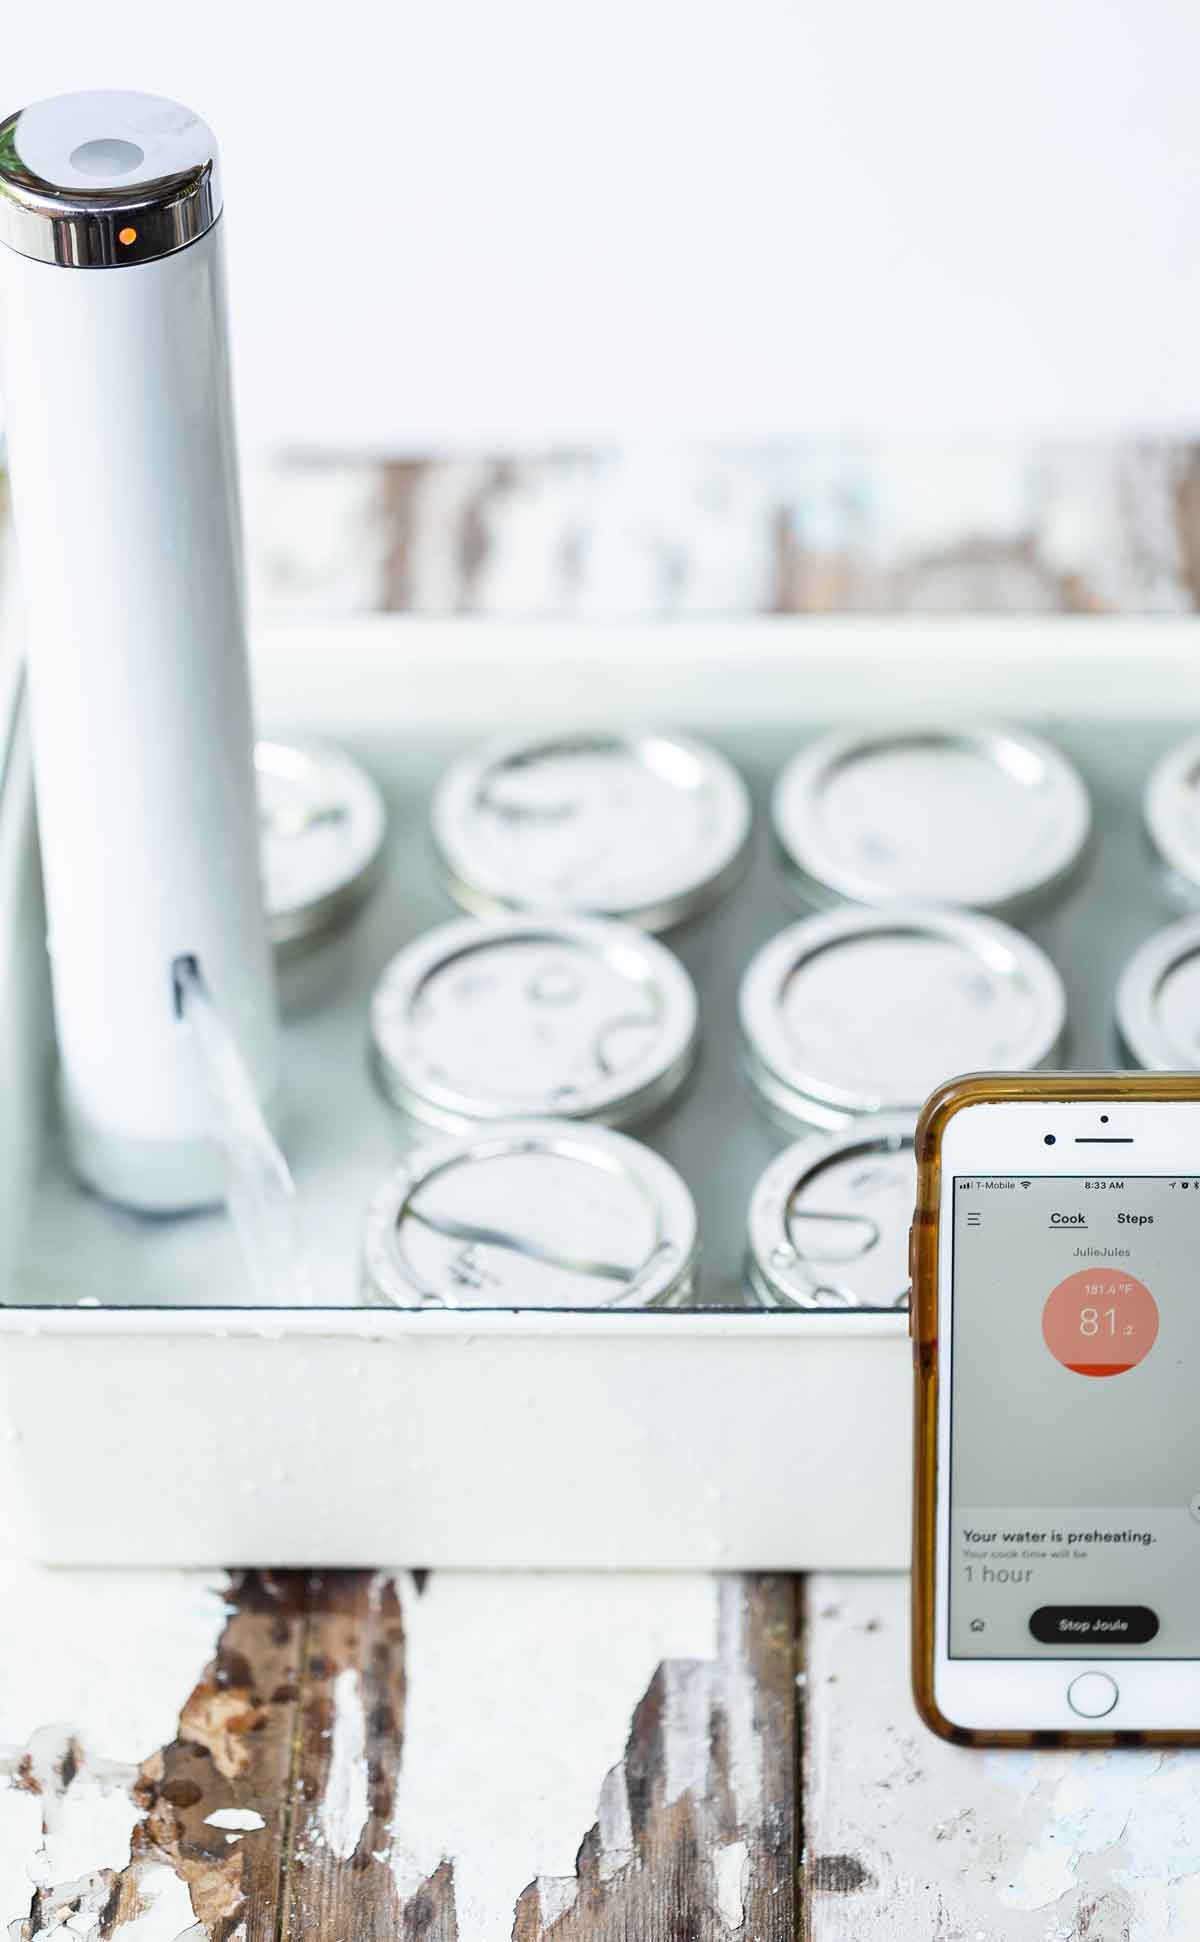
1158,1000
829,1220
566,1017
973,817
647,826
532,1214
322,824
858,1011
1171,812
104,180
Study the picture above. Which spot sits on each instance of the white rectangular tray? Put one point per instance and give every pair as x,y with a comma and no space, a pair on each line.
201,1434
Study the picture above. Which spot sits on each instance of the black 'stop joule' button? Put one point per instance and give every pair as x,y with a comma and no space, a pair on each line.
1094,1624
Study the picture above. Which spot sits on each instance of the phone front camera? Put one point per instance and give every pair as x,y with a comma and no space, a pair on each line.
1050,1139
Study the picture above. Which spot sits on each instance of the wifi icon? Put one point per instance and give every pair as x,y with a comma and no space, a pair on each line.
1027,1183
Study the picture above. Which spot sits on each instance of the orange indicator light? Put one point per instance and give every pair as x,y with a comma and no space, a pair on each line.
127,236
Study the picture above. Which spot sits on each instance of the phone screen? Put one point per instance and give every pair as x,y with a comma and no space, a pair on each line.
1074,1418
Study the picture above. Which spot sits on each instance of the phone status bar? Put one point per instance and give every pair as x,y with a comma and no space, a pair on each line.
1113,1183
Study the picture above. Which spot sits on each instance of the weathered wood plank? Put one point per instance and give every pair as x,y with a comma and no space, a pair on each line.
909,1838
217,1799
695,1835
521,1694
368,1756
338,1875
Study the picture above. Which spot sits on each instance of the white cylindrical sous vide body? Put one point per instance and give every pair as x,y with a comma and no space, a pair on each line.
126,507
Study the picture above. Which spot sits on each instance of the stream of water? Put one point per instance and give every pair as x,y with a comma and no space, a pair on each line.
260,1191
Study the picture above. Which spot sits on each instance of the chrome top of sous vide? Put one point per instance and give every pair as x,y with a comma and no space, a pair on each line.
858,1011
829,1220
644,826
322,824
981,818
1171,811
532,1214
1158,1000
102,180
569,1017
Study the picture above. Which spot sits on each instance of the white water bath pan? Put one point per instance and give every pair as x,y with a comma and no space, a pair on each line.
152,1418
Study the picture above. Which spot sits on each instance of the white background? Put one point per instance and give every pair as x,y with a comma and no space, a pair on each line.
467,222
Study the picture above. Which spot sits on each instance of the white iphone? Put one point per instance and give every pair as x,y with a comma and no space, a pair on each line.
1056,1328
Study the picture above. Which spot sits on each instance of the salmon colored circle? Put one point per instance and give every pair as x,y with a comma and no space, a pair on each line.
1100,1322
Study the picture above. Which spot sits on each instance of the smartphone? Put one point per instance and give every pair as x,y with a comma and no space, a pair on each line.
1056,1335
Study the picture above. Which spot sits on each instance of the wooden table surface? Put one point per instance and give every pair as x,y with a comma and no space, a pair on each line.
630,1758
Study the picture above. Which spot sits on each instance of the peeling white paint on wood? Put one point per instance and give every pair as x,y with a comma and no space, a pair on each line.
549,1671
724,1683
74,1724
240,1820
77,1903
729,1871
520,1692
85,1805
71,1637
615,1824
556,1894
907,1836
167,1915
739,1696
344,1804
72,1909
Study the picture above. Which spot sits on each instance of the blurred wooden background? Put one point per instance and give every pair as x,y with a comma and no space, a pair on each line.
1018,526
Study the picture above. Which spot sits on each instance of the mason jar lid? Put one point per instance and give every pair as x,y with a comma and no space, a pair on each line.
648,826
532,1214
322,824
1171,811
829,1220
1158,1000
973,817
567,1017
857,1011
105,179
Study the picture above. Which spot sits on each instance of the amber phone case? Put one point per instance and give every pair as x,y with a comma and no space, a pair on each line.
987,1089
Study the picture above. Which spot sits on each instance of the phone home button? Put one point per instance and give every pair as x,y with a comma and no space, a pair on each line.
1092,1695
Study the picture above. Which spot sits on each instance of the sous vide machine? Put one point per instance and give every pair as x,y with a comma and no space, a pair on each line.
125,499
